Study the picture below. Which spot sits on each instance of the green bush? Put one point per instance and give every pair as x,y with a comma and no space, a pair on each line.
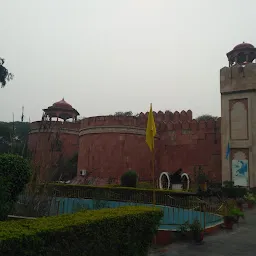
14,175
231,191
126,231
129,179
145,185
250,197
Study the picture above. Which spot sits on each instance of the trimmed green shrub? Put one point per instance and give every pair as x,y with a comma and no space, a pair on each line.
126,231
129,179
15,173
123,194
231,191
145,185
235,192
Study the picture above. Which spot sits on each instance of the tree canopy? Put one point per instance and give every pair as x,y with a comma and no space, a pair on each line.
15,173
206,117
126,113
5,132
4,74
120,113
13,135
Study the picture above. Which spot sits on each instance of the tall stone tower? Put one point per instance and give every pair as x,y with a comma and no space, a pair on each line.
238,112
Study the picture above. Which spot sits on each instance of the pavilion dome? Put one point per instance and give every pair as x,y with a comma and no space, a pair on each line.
62,104
242,54
61,109
243,46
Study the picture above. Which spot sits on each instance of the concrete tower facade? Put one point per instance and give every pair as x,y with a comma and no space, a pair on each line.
238,112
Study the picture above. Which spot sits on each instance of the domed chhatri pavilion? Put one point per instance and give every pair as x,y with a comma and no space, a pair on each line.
107,146
61,110
242,54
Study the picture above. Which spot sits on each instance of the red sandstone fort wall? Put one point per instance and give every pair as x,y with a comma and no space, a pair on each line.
189,144
43,143
110,145
188,156
109,155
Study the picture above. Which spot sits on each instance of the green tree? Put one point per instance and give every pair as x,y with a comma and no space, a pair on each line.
4,74
5,132
21,129
66,170
206,117
129,179
13,137
15,172
5,137
127,113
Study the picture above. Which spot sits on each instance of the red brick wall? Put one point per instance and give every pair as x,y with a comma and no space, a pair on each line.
111,154
187,156
188,144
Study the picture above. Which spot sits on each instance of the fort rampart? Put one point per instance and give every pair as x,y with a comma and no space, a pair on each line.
108,146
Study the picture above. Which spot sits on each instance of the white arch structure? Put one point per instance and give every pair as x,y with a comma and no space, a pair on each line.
166,174
188,180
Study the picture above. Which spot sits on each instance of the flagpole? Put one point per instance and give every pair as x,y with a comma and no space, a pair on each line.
153,173
150,134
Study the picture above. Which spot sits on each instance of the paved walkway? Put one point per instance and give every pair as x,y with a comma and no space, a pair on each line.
240,241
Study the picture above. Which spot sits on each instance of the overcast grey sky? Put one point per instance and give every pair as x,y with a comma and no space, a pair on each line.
105,56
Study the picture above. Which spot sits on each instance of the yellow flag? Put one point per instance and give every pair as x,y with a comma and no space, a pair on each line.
151,129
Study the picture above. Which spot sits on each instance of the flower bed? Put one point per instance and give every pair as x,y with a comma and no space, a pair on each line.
126,231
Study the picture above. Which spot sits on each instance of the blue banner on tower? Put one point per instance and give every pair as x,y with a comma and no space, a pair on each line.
227,151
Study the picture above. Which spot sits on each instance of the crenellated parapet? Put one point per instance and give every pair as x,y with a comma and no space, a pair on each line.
180,127
139,121
164,122
167,124
54,126
168,116
238,78
98,121
181,133
193,125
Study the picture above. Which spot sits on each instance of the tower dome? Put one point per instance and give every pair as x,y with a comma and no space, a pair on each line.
242,54
243,46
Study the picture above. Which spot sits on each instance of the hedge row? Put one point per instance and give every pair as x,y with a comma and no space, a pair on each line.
163,197
234,192
126,231
119,188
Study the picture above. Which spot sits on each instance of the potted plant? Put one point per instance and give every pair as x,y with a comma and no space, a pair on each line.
197,231
232,216
229,221
201,178
183,230
236,213
239,203
250,199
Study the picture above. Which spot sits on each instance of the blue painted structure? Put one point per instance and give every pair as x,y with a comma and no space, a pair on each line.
172,219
